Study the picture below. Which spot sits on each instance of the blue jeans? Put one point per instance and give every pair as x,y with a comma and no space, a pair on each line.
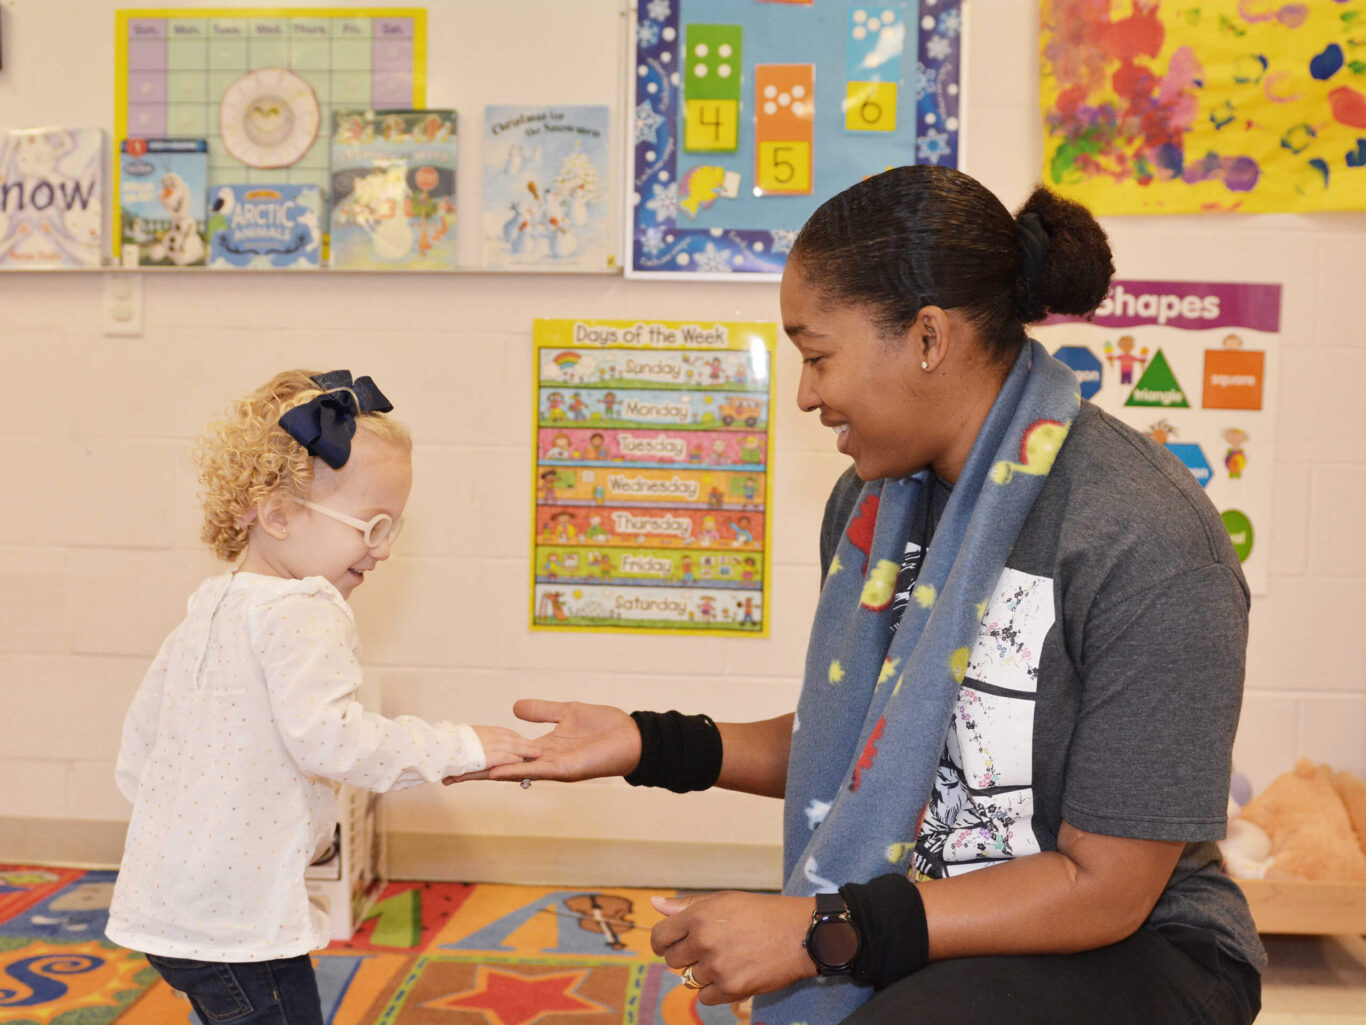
283,992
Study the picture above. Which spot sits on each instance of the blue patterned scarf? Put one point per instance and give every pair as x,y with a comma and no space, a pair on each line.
876,705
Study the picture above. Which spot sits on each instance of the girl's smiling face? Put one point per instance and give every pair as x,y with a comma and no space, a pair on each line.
869,388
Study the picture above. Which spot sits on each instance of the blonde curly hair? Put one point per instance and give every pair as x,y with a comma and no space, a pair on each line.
247,456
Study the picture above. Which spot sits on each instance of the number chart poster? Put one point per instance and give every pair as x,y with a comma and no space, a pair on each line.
1193,365
260,84
652,483
1178,106
748,116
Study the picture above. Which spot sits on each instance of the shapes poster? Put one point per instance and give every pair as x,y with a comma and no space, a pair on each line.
547,188
1176,107
1193,366
652,475
261,84
51,198
746,117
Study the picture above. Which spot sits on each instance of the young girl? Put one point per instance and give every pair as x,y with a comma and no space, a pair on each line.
248,714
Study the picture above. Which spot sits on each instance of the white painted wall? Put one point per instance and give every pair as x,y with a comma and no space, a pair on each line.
98,526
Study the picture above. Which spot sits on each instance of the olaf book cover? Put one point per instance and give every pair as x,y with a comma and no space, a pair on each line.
161,202
265,226
393,189
52,197
547,188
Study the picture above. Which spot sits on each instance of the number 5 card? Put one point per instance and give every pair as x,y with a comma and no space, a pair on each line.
784,127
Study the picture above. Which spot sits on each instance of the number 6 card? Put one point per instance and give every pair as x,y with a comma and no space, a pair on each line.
784,128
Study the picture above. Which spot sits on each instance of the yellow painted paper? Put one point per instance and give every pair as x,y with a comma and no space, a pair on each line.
1183,106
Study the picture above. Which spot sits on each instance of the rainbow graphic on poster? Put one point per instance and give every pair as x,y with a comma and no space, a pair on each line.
1178,106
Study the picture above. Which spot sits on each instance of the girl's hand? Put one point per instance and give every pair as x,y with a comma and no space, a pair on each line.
588,741
738,944
501,747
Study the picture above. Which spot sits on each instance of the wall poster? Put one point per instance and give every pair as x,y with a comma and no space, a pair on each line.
747,116
1171,106
1193,365
651,476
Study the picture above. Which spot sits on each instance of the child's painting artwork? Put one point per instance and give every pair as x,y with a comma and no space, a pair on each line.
652,477
547,188
265,226
1192,365
1171,106
51,198
393,189
161,202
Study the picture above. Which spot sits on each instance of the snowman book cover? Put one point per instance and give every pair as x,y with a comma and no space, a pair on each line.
547,189
393,189
52,197
265,226
162,185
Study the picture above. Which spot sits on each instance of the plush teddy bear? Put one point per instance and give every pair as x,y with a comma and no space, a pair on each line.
1308,824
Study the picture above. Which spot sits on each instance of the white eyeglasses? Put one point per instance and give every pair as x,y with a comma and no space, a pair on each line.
378,530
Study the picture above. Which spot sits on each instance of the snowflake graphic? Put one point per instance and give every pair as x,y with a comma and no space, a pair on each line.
783,239
664,202
648,121
938,47
647,33
933,146
653,241
926,81
712,260
658,9
950,23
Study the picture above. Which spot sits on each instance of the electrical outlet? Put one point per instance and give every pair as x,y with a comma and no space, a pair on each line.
123,304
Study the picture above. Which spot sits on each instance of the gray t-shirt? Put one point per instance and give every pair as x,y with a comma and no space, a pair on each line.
1106,681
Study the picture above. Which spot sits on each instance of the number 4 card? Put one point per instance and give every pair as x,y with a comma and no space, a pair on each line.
784,127
711,55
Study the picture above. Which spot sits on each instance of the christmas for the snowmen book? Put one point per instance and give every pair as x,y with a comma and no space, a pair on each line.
265,226
161,202
393,189
51,197
547,189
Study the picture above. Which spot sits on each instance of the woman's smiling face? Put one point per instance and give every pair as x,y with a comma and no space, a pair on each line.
869,388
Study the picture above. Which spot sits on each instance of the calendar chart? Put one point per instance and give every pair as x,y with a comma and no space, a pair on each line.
260,84
746,117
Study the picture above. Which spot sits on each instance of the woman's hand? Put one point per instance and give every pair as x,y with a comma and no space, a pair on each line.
588,741
738,944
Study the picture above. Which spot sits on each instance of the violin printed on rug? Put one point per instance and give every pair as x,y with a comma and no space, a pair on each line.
428,954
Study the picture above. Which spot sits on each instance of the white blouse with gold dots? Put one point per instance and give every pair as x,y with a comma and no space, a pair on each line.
246,715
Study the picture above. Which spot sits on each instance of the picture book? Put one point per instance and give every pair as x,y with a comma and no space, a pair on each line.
393,189
547,188
51,197
162,185
265,226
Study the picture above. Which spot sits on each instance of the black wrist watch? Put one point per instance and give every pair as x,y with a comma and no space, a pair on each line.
833,941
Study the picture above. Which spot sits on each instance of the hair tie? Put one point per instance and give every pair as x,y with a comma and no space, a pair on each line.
1033,245
326,423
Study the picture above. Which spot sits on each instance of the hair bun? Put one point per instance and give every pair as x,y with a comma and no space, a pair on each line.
1065,263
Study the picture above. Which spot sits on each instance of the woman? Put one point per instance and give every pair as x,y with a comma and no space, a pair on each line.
1012,748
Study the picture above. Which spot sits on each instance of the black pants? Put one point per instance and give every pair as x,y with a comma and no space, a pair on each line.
1172,976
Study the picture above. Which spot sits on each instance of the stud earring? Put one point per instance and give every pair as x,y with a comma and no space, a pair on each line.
924,364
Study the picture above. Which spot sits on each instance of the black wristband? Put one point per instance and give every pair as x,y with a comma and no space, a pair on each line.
679,752
890,918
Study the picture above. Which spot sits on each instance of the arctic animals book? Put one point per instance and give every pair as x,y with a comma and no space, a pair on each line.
161,202
547,188
273,226
52,197
393,189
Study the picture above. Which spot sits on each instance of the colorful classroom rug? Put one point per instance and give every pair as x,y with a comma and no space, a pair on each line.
429,954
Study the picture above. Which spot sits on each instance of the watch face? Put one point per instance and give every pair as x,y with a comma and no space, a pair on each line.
833,942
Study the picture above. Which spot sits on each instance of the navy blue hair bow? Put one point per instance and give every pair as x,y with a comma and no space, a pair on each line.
326,423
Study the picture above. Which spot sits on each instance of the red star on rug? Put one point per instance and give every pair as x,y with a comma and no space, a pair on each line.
509,998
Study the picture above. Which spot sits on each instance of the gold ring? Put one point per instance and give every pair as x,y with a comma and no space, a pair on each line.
689,980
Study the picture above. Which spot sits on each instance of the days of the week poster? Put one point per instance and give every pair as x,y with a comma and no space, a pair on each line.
1193,366
652,487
